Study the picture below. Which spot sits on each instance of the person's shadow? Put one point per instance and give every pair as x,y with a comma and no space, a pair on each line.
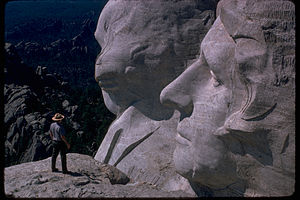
73,173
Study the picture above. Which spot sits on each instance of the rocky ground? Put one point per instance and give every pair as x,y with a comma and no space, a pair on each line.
88,178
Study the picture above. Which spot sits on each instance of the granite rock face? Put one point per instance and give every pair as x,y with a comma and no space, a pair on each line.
87,179
25,120
141,53
28,97
233,85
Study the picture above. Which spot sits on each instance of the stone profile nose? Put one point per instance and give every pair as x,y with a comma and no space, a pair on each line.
177,96
108,73
109,63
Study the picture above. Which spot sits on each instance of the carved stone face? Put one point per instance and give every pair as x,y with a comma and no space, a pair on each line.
131,67
142,53
229,107
202,94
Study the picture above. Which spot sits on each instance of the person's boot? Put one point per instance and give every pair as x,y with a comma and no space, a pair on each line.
64,164
53,162
66,172
54,170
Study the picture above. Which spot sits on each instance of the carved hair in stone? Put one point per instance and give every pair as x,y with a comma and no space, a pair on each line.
236,135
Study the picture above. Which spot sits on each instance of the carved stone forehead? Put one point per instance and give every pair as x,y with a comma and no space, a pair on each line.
161,16
245,18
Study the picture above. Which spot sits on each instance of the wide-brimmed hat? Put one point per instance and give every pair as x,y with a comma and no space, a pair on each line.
58,117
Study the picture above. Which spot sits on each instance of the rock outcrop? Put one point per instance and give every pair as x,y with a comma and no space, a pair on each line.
29,98
26,118
87,179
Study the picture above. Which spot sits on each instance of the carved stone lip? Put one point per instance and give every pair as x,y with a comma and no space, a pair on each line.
181,140
107,81
184,131
108,84
181,136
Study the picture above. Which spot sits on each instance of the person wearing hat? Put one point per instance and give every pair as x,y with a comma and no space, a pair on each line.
59,142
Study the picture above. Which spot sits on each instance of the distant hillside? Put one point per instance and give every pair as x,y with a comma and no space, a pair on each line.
55,34
32,97
50,68
40,14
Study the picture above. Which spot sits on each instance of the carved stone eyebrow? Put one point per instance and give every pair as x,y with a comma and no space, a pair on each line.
105,26
261,116
235,37
138,49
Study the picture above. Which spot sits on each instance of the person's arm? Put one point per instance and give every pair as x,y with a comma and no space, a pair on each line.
51,135
65,140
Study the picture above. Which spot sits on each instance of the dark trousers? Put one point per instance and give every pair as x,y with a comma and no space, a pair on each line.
59,146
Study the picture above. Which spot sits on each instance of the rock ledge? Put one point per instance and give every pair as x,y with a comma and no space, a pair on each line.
87,178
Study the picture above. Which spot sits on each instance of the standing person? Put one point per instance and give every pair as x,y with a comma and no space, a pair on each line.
57,134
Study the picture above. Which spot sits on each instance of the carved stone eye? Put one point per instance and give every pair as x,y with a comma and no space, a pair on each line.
138,49
137,55
105,26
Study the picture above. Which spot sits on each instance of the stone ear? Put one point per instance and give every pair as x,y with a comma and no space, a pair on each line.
253,69
253,102
256,73
255,113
